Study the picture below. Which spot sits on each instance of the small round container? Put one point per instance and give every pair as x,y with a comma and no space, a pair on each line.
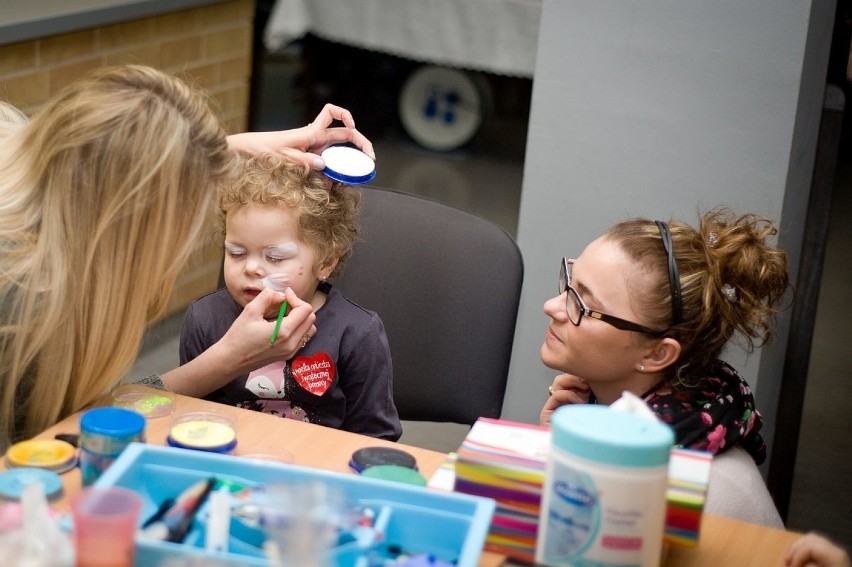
348,165
104,433
14,481
144,400
367,457
215,432
395,473
51,454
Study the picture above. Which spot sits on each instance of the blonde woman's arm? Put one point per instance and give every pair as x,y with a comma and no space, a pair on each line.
306,143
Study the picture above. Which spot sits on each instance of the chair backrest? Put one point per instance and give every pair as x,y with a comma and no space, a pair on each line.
447,285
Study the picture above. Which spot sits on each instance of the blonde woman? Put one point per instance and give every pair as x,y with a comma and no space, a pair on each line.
102,194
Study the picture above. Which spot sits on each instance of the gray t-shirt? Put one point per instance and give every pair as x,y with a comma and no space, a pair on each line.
343,378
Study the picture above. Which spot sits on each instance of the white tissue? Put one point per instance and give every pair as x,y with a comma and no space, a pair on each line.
631,403
39,542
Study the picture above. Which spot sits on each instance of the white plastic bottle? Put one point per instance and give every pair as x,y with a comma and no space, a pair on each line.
604,498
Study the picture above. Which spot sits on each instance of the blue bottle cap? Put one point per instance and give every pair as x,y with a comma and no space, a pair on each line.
601,435
112,422
348,165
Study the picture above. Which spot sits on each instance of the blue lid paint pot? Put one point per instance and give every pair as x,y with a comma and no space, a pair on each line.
14,481
104,434
204,431
348,165
604,497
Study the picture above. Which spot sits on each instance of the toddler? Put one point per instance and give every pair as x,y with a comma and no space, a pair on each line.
283,220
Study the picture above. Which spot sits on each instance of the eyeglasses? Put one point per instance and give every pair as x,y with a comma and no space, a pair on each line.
576,308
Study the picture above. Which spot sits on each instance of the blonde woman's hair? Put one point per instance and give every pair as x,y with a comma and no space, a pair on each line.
732,278
101,196
11,116
327,210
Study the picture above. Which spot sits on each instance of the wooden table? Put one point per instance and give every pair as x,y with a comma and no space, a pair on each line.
724,541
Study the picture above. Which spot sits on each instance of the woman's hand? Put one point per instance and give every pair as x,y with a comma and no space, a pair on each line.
813,550
566,389
246,347
247,340
306,143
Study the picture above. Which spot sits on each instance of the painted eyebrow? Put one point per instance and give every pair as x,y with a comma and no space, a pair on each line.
286,248
233,247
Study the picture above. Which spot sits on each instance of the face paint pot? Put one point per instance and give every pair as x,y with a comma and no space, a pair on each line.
367,457
104,433
149,402
214,432
348,165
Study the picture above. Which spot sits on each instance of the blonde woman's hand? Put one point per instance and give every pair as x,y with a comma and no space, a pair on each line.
306,143
249,336
814,550
566,389
245,346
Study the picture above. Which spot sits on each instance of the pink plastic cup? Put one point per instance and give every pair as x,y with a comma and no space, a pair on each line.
105,521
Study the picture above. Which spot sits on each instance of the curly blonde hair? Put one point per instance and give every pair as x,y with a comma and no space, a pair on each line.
327,210
732,280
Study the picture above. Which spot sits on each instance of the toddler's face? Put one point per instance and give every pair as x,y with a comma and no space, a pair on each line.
260,241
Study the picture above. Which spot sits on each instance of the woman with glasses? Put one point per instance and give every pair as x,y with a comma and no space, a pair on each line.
647,308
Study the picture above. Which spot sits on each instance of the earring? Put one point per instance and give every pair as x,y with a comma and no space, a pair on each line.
641,368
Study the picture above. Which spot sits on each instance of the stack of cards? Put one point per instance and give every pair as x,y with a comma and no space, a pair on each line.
505,460
689,475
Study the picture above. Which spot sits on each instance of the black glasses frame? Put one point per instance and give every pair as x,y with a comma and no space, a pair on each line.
617,322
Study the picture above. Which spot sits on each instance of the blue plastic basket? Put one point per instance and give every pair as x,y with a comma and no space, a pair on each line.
451,527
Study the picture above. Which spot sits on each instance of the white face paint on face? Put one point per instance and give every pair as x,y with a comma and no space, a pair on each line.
260,241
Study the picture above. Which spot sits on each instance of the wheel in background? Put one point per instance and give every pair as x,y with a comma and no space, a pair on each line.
442,109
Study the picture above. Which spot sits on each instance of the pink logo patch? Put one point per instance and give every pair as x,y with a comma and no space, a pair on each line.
314,373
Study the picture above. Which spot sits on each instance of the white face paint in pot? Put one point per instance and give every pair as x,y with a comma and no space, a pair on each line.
348,165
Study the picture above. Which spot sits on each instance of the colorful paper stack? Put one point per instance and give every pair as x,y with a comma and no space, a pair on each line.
505,460
689,475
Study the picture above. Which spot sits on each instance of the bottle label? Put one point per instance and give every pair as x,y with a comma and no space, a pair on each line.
601,518
573,515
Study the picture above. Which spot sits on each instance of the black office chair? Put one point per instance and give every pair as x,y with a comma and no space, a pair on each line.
447,285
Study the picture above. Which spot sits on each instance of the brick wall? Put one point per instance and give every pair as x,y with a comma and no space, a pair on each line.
210,47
